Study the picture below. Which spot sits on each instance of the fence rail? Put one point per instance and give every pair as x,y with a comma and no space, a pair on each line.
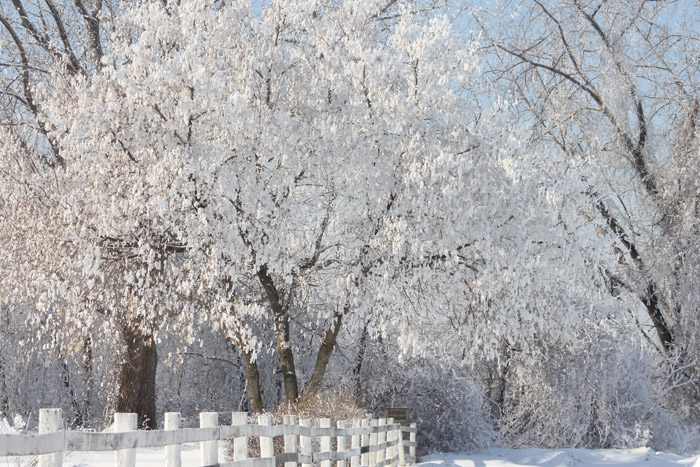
358,442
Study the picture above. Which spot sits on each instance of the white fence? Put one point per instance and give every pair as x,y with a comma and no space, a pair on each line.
358,442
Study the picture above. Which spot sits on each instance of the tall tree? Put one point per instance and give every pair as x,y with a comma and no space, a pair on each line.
42,42
602,86
290,167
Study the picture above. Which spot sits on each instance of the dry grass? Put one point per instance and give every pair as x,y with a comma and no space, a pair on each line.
336,405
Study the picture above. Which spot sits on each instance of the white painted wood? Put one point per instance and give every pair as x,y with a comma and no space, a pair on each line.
391,436
255,430
209,450
305,441
173,451
381,439
31,445
290,440
341,442
355,442
267,447
325,440
51,421
402,453
373,440
125,422
240,444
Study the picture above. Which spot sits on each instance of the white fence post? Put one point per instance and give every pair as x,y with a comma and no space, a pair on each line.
340,443
402,453
125,422
355,443
381,439
240,445
172,452
390,436
373,440
305,441
325,440
209,450
267,447
365,441
51,421
290,440
374,435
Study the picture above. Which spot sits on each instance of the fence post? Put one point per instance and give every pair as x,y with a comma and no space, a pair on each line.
390,436
172,452
290,440
355,443
365,442
381,439
267,447
50,421
325,440
125,422
374,435
209,450
240,445
412,439
305,441
402,453
340,444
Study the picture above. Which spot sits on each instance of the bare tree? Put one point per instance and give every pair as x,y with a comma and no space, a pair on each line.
602,85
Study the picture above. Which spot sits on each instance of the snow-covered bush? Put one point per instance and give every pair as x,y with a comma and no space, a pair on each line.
597,395
446,405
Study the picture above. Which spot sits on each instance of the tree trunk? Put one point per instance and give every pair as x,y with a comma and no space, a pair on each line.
324,354
359,360
87,378
282,328
137,380
253,383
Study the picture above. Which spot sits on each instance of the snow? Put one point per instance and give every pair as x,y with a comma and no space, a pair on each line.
485,458
560,458
145,457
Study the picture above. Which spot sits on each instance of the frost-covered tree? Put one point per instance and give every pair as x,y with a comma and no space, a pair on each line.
608,91
603,86
294,168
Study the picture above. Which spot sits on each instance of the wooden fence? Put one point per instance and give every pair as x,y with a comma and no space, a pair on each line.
357,442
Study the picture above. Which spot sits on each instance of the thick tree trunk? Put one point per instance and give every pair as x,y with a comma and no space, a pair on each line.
284,349
324,354
282,329
137,381
252,376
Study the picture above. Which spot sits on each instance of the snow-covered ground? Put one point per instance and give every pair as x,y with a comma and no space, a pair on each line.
561,458
489,458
